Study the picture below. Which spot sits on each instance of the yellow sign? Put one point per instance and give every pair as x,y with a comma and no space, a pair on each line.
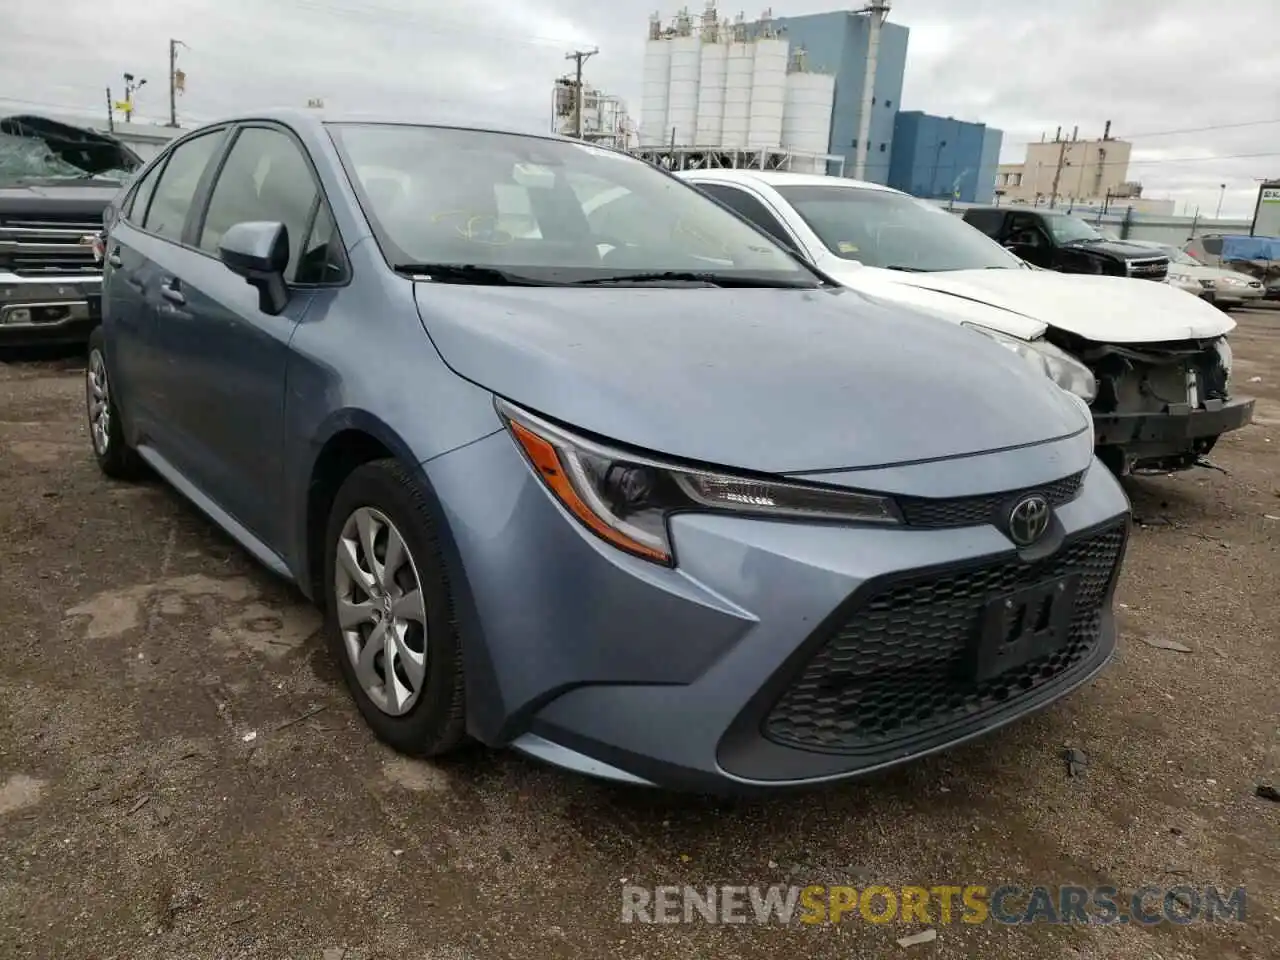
124,106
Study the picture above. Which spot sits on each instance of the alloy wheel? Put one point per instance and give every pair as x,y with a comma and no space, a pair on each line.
381,611
98,397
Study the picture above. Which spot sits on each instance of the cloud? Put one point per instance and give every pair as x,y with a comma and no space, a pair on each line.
1023,67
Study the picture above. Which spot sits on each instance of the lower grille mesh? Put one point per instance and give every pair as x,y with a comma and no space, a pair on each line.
895,671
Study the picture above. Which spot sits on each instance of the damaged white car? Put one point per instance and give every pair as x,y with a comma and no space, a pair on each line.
1153,364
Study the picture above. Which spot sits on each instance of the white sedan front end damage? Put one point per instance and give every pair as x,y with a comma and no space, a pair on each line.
1153,364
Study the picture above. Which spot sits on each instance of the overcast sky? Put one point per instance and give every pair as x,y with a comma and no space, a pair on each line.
1024,66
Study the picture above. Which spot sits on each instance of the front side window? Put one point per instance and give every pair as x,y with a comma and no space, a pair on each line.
748,206
883,229
1067,229
544,210
267,178
167,213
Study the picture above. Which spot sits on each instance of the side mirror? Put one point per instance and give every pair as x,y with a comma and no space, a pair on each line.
259,252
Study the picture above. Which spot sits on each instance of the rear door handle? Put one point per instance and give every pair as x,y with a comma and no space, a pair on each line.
172,293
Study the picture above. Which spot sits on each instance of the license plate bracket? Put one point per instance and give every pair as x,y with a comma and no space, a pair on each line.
1024,625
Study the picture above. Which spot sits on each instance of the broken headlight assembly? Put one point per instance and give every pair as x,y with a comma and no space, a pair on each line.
1055,363
626,499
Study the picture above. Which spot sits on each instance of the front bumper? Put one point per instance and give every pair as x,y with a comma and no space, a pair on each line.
45,310
1228,293
687,677
1146,436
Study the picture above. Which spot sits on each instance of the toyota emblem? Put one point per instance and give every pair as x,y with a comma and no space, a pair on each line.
1028,520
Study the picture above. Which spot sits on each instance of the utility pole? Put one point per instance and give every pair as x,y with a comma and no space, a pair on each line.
1222,192
130,88
579,57
1057,174
111,112
177,81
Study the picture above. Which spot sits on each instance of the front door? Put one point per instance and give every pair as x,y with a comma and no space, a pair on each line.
229,358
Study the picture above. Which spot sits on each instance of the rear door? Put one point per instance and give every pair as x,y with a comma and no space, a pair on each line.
230,356
141,252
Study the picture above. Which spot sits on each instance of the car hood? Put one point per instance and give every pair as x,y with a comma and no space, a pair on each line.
71,198
1024,302
1120,249
777,381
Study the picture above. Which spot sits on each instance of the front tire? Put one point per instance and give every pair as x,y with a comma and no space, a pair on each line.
390,612
115,458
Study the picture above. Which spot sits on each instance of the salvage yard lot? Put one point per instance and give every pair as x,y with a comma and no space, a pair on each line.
182,774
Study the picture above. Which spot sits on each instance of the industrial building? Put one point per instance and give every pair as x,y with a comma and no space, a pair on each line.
844,43
780,93
732,94
604,117
1076,171
937,157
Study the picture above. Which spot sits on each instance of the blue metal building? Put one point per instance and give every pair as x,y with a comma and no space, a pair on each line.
836,42
941,157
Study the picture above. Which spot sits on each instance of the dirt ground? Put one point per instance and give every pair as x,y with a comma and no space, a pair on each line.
182,774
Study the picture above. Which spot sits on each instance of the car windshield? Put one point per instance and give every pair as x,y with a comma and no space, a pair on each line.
1067,229
35,149
1181,256
513,208
883,229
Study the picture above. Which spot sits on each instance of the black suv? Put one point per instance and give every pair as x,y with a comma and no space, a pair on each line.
1058,241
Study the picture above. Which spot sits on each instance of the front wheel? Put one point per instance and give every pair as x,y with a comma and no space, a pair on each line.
115,457
390,612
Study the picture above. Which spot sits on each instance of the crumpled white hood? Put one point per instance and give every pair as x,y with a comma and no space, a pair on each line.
1024,302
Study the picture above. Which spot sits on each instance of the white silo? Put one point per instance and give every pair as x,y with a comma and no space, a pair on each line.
711,82
686,70
657,80
768,88
806,116
739,64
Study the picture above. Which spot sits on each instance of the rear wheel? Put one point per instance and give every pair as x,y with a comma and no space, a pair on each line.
390,612
115,457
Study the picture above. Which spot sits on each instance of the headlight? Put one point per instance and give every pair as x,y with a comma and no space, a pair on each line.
1230,281
1207,284
1223,349
1058,365
627,498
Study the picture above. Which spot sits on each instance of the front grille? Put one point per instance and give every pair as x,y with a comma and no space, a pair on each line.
48,246
896,671
976,511
1156,268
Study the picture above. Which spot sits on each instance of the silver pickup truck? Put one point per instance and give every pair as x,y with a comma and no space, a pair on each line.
55,182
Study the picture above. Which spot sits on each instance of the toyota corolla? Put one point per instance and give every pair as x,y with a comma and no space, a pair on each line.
644,497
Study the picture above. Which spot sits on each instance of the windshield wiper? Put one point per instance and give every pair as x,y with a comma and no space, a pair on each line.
694,276
899,267
468,273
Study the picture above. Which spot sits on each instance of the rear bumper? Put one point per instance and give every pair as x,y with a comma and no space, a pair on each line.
40,310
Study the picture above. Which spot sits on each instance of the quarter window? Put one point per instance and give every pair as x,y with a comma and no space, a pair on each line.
171,201
137,207
266,177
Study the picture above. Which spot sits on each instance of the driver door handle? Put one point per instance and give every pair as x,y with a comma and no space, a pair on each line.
170,292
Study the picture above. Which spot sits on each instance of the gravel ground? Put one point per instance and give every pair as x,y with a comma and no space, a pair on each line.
182,775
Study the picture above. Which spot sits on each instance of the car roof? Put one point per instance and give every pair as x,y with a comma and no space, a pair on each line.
317,119
780,178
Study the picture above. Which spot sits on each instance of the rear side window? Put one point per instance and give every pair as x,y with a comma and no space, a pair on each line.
136,209
172,197
1212,246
